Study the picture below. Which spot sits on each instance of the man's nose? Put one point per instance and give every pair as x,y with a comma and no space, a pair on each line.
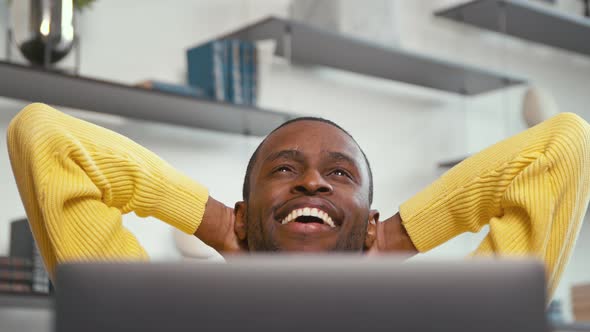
312,182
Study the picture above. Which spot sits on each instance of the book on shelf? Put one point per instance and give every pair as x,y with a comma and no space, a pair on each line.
249,69
224,70
13,275
207,68
244,54
21,240
581,302
15,288
178,89
253,67
41,283
7,262
16,275
24,270
235,87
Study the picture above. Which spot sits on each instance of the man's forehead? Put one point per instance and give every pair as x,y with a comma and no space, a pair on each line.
311,136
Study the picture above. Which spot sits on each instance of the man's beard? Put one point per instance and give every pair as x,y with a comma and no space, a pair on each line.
259,240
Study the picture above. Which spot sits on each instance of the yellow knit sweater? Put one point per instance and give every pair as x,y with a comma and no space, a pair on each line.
76,180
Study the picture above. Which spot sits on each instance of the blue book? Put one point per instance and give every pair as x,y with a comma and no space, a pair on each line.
244,49
253,77
179,89
248,58
222,71
236,92
207,68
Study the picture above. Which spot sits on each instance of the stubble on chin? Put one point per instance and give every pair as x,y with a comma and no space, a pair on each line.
258,240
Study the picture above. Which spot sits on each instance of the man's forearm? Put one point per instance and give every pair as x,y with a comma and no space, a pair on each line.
77,179
531,189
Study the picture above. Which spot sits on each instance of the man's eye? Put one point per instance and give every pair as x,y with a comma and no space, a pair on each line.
340,172
282,169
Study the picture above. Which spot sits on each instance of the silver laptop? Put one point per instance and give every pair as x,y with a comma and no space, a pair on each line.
302,294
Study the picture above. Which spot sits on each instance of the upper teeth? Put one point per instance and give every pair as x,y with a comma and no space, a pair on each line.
312,212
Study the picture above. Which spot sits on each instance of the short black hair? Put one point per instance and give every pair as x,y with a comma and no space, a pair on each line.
253,158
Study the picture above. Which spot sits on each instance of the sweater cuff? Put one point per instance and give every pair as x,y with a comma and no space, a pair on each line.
428,216
433,216
428,228
177,200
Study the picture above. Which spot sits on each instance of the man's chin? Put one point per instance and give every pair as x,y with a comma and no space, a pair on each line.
306,245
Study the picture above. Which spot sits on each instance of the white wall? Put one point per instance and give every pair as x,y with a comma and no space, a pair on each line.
404,130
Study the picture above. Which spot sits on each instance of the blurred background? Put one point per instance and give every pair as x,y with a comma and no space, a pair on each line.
410,132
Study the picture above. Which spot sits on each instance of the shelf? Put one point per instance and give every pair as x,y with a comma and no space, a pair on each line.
30,84
25,301
450,163
575,326
526,20
308,45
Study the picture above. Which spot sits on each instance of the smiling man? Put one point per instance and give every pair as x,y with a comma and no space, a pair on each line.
308,187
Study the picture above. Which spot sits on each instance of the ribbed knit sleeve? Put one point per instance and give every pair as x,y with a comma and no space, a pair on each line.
77,179
531,189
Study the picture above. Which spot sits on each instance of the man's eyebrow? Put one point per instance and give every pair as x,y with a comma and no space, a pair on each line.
286,154
342,156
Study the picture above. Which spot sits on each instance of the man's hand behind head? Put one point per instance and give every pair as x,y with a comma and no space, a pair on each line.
217,229
391,237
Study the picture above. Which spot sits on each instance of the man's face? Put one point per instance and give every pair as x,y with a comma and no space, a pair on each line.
309,191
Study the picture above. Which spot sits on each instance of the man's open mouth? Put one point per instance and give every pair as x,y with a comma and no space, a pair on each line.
309,215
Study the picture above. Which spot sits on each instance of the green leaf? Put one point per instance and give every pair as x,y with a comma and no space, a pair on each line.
81,4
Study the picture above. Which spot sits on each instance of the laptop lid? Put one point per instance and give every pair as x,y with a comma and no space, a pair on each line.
284,293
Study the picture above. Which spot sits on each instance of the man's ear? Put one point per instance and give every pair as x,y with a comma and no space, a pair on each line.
240,223
370,238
